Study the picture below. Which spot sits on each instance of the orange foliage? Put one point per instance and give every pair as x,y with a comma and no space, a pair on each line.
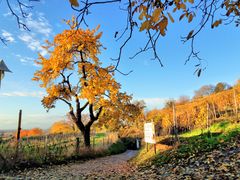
193,114
61,127
31,132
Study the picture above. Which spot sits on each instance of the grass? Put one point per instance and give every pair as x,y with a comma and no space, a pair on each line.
191,143
144,156
221,127
117,147
37,153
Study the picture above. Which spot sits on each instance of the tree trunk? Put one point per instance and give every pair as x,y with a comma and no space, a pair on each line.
86,136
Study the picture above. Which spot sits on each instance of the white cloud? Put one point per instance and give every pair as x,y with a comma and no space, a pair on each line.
39,24
152,103
7,14
37,94
40,31
8,36
26,60
32,43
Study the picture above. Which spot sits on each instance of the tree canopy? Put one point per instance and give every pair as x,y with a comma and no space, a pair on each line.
73,72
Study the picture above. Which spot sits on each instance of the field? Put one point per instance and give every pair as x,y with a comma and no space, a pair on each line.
51,149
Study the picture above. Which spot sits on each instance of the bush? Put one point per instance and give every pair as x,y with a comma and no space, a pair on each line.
130,143
116,148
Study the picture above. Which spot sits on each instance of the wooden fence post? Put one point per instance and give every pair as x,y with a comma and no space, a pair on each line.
19,131
93,141
155,148
19,125
77,145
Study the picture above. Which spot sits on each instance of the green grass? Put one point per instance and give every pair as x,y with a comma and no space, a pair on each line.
221,127
117,147
192,143
144,155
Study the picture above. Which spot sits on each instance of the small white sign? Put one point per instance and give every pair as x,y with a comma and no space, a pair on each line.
149,133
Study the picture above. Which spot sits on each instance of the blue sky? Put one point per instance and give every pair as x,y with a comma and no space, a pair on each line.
149,82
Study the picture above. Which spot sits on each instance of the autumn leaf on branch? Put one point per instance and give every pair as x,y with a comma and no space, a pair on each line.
74,3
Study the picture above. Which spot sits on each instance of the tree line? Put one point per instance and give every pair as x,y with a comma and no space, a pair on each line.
208,104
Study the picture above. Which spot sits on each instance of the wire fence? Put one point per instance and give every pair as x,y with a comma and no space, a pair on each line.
52,147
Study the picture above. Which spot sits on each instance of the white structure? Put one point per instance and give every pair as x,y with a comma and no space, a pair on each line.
149,133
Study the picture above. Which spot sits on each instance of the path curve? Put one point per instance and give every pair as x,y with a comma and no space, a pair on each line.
109,167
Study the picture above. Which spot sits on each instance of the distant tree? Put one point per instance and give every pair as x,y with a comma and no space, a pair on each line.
183,99
31,132
237,84
221,86
35,132
169,103
204,91
61,127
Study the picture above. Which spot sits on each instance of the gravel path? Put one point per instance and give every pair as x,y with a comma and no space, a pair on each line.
110,167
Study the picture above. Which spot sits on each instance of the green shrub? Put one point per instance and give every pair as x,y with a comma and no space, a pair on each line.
116,148
130,143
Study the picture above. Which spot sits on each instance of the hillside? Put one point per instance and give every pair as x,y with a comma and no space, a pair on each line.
198,112
199,155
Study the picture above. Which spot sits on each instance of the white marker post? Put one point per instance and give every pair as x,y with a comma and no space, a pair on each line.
149,134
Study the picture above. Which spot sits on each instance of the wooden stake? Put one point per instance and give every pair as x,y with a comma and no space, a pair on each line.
19,125
155,148
18,132
235,103
175,122
77,145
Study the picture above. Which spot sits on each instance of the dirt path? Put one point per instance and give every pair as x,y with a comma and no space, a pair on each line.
110,167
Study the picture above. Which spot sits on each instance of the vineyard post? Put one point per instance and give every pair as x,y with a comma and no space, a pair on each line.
93,141
155,148
175,122
235,103
214,111
19,125
208,124
19,131
77,145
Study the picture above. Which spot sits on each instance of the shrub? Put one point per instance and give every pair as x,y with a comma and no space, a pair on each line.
117,147
130,143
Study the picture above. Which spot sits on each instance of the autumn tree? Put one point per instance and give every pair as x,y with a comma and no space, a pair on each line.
123,116
204,91
169,103
221,86
183,99
61,127
31,132
73,74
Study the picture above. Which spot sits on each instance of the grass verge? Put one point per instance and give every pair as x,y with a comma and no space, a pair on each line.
191,144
